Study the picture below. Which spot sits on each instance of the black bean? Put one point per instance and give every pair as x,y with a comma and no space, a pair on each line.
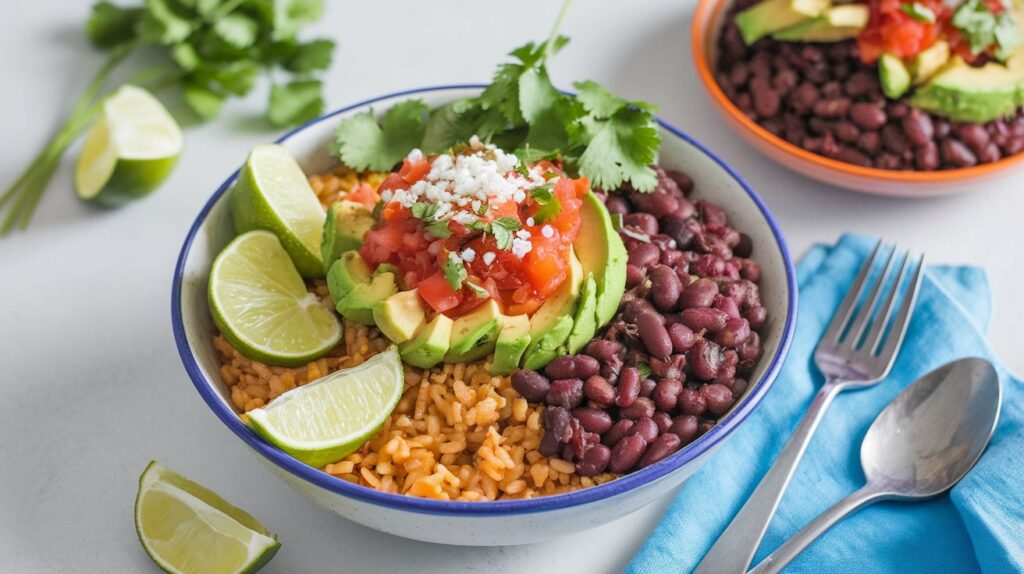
832,108
565,393
531,384
678,229
804,97
990,153
975,136
868,116
956,153
765,98
626,453
593,420
926,157
654,335
662,447
628,388
918,127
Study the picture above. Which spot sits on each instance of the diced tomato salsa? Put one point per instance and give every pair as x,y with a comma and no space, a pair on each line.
518,284
892,30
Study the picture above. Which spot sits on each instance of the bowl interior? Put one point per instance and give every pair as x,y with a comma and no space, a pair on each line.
213,229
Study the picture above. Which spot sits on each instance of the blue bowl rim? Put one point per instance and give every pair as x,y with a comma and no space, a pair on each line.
621,485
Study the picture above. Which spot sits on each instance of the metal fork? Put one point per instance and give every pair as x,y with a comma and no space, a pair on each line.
850,355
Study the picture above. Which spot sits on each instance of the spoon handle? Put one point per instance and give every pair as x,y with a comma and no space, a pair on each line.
735,548
789,550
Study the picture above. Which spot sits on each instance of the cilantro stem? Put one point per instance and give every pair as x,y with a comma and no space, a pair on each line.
31,183
550,45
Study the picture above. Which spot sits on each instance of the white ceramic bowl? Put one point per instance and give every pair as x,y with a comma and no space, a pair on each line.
484,523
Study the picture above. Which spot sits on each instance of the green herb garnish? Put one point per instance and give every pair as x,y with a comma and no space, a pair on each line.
644,369
610,140
550,207
983,28
364,143
439,229
455,271
212,50
423,210
919,12
478,290
503,231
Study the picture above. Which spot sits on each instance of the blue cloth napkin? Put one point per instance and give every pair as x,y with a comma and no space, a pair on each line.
978,527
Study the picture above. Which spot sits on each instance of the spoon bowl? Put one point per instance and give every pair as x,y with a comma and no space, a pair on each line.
929,436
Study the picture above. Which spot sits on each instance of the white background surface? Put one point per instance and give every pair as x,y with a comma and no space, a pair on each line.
91,387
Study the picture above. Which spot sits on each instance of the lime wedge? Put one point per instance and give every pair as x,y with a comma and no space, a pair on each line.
261,304
272,193
187,528
130,150
325,420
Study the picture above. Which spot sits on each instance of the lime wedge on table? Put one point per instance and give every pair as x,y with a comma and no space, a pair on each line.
261,304
325,420
272,193
187,528
130,149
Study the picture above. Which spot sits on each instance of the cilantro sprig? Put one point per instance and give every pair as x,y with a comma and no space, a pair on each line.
610,140
213,50
919,12
983,28
455,271
549,205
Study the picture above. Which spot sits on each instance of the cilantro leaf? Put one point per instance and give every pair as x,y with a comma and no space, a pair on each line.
455,271
550,207
509,223
237,30
185,55
424,210
205,103
295,102
311,56
599,102
502,230
1008,35
363,143
919,12
439,229
163,25
110,25
983,28
290,15
478,290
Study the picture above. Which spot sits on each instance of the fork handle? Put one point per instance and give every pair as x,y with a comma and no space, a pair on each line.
792,548
735,548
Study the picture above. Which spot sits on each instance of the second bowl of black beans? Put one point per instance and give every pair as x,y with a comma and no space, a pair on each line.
677,355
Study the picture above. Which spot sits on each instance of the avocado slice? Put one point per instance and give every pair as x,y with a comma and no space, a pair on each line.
601,252
358,305
511,344
400,316
963,93
836,24
584,324
430,344
346,224
345,273
927,62
770,16
474,335
894,75
551,324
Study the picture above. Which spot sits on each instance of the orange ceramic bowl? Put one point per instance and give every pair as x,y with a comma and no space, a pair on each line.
707,25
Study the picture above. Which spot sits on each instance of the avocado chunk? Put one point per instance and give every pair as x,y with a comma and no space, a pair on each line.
601,252
474,335
927,62
894,75
584,324
836,24
400,315
770,16
963,93
358,305
551,324
346,224
428,347
345,273
511,344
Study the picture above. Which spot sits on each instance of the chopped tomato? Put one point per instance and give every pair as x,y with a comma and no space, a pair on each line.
413,171
364,194
545,269
438,293
891,30
392,182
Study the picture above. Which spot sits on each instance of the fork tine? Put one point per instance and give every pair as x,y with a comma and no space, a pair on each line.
899,324
863,318
845,310
874,337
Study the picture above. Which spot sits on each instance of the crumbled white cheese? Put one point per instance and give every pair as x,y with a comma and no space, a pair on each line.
468,254
530,221
475,143
464,217
415,155
523,234
520,247
547,231
489,257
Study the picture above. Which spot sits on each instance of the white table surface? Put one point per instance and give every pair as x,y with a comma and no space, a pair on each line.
91,387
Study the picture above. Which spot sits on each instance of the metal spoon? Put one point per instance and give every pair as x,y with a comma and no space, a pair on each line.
920,445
